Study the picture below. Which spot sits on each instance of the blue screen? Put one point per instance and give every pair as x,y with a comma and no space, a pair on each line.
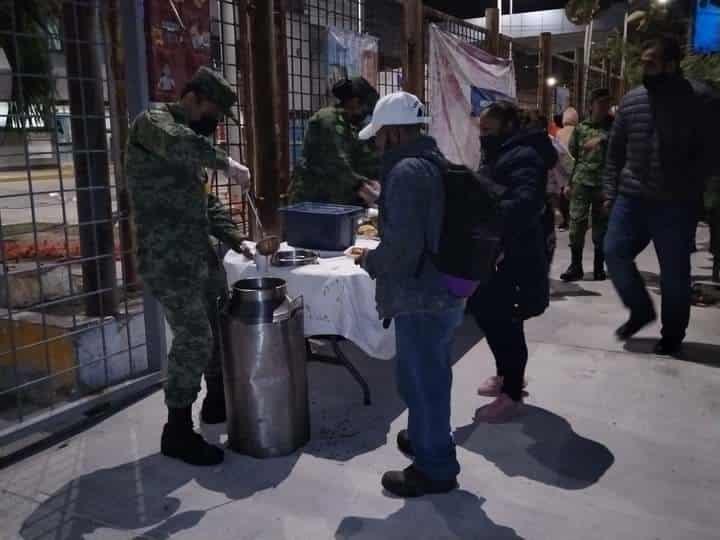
706,31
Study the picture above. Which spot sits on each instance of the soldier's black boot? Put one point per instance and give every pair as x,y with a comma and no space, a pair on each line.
213,407
599,266
179,441
575,271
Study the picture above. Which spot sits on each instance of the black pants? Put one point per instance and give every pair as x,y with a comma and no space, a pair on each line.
493,308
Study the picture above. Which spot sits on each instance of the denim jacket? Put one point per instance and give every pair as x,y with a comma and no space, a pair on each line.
411,214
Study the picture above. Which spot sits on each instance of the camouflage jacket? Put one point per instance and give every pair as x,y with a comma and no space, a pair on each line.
173,213
334,162
589,164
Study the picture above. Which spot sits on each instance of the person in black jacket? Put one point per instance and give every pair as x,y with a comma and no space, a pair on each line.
657,163
518,159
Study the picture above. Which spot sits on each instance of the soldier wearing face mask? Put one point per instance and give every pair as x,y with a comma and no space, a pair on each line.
336,167
168,153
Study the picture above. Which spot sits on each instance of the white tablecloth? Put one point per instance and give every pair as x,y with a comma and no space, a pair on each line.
339,298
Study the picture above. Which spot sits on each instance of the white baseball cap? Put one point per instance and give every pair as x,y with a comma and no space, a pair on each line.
398,109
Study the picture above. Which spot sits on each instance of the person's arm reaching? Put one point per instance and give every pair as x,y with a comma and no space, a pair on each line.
403,236
222,225
157,133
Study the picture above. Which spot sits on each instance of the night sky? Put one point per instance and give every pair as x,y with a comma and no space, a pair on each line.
466,9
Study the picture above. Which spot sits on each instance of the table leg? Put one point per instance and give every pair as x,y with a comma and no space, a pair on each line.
339,360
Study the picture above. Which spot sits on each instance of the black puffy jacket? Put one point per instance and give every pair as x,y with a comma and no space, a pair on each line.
522,168
659,146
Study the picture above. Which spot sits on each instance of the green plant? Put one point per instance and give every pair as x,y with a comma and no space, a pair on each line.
24,36
644,24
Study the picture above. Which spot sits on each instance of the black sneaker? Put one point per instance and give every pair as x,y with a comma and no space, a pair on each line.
668,347
412,483
190,447
213,411
403,443
633,326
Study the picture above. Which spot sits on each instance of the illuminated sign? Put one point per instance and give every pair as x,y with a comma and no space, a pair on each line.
706,27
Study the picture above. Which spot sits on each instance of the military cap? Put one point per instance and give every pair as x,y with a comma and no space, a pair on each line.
355,87
216,89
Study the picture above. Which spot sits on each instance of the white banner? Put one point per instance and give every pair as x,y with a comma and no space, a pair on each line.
464,79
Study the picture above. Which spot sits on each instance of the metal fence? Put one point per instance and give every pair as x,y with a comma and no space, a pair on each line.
71,311
230,49
313,66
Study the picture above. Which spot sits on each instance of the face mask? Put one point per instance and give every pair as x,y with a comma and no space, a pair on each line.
490,145
206,126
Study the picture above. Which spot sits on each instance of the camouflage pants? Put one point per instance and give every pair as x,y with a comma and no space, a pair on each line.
585,202
191,309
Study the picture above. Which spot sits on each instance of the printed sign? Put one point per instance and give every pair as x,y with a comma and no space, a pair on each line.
179,43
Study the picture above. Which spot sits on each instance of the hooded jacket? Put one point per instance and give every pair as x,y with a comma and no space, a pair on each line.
522,167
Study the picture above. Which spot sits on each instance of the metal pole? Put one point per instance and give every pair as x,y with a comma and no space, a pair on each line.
544,94
623,58
499,8
132,15
588,62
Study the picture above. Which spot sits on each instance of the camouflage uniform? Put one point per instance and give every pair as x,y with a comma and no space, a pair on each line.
334,163
174,218
586,196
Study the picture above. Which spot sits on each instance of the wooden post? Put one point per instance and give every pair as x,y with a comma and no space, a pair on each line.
118,98
283,105
579,70
545,101
264,112
414,56
492,25
90,156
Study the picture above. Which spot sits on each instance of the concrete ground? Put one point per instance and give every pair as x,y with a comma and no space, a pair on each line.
617,444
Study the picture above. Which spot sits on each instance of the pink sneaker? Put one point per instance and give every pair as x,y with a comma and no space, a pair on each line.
500,411
493,387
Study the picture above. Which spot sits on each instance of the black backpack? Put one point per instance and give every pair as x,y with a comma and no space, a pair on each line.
471,232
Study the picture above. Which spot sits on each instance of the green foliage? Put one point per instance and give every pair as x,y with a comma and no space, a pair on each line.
654,22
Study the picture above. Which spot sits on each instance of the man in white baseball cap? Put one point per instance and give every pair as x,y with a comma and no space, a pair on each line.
398,109
411,291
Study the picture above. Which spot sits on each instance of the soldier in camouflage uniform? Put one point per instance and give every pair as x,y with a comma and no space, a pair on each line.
588,146
175,215
336,167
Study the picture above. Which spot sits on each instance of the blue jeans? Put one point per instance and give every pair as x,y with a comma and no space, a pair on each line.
424,379
633,224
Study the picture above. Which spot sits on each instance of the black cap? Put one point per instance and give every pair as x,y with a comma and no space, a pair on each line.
357,87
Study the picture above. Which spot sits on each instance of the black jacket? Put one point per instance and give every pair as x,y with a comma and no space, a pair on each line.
659,146
522,168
